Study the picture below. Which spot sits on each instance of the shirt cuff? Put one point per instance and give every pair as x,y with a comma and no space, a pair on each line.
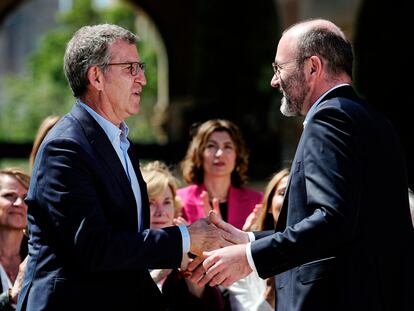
250,257
186,238
251,236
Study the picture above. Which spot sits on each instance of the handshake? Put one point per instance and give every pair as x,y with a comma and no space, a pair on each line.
221,252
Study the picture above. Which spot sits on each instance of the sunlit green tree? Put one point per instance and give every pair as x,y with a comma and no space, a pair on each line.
43,89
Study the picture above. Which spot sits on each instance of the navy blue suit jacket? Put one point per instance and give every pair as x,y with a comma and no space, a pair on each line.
85,249
344,239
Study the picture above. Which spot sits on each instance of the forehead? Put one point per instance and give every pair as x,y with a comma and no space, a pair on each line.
8,182
166,192
221,136
287,47
283,182
123,51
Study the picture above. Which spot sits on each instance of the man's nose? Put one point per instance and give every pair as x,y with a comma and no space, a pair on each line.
275,81
141,78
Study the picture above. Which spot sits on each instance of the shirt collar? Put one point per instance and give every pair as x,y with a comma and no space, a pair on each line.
312,110
111,130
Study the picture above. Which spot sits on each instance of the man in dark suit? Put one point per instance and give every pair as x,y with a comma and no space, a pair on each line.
344,240
88,212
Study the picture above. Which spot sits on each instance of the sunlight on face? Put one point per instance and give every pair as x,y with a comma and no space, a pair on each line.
13,210
122,91
162,210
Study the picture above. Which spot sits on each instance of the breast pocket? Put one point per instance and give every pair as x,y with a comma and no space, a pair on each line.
316,270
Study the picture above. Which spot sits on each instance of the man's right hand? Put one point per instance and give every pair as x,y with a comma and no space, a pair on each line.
228,232
205,236
228,235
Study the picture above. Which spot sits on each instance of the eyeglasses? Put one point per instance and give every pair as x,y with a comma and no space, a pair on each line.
278,67
134,67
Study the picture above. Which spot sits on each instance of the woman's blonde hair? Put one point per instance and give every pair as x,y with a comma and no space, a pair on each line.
158,177
18,174
266,220
44,128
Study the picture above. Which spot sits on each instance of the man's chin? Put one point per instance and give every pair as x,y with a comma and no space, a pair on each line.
284,109
134,109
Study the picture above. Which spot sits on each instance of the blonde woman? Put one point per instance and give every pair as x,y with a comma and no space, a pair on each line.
165,210
253,293
44,128
14,184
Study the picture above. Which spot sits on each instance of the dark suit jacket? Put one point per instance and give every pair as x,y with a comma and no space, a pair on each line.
344,239
85,249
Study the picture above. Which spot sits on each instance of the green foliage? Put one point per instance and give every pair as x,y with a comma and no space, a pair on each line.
121,15
44,91
82,13
20,163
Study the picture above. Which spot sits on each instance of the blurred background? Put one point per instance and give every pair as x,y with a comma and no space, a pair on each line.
205,59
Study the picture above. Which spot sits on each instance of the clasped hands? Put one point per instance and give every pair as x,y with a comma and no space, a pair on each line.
221,252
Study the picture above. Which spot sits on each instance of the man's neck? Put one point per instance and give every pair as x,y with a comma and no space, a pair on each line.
104,110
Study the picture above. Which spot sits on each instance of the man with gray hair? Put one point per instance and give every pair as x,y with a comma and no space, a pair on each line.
90,247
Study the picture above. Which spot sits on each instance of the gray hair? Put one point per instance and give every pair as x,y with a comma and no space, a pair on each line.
325,39
88,47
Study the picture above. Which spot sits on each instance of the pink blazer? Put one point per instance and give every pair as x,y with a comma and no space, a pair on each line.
241,202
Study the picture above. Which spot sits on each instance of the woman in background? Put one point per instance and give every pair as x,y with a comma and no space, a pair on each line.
20,180
14,184
215,167
43,129
252,293
165,209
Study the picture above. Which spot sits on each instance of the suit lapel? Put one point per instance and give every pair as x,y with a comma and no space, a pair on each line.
104,149
281,221
343,91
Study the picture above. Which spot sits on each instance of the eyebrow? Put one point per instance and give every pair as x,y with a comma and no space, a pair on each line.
128,62
7,191
10,191
226,143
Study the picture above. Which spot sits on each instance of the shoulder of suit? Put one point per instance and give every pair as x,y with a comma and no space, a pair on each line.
343,104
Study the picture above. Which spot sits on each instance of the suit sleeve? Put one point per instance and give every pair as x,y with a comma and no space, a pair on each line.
328,216
70,213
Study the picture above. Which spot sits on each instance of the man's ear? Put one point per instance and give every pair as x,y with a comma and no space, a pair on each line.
95,77
315,65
